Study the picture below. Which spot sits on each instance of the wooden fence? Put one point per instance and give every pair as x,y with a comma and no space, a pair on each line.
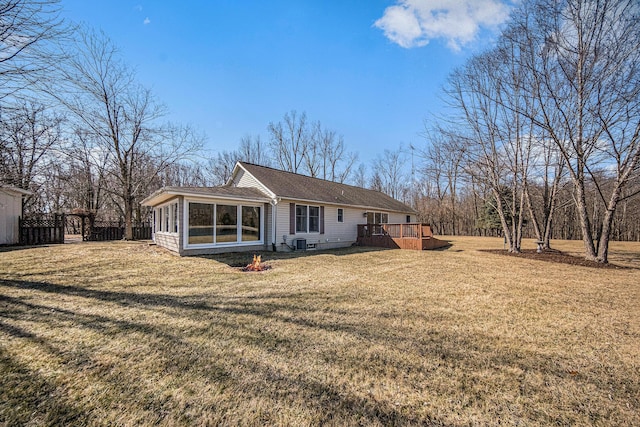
42,230
48,229
114,230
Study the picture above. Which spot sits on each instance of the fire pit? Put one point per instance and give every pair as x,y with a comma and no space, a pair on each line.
256,265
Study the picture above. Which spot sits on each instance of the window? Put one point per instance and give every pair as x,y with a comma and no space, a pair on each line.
408,219
213,224
340,215
250,223
200,223
167,218
226,223
307,219
159,224
301,219
314,219
377,218
174,209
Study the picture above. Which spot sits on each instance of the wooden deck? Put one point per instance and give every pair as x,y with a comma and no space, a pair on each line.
414,236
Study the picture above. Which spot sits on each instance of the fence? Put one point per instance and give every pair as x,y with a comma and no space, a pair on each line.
114,230
42,230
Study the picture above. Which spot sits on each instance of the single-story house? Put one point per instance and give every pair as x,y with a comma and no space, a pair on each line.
265,209
11,202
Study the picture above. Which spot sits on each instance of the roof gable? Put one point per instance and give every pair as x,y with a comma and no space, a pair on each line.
300,187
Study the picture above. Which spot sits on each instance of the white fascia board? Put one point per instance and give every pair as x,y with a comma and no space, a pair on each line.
264,188
163,196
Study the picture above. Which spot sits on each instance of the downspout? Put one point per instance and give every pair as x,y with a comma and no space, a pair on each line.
274,214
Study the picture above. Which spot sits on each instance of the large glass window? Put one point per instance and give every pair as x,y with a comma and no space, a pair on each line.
301,219
174,208
250,223
200,223
314,219
226,223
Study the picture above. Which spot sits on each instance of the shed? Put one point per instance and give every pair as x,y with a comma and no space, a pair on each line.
11,199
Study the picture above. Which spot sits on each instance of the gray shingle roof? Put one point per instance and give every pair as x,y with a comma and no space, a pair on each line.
294,186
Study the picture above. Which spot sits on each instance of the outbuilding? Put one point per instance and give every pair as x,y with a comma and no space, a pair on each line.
11,209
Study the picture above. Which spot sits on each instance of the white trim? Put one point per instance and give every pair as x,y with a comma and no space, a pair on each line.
239,204
308,217
263,188
163,195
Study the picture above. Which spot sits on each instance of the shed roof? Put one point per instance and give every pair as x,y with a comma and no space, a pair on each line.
14,190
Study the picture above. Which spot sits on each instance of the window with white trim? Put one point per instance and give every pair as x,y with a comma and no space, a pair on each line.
213,224
307,219
340,215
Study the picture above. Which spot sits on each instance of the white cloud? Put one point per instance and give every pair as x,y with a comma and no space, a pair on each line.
414,23
146,21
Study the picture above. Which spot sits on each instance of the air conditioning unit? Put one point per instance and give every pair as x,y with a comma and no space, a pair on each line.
301,244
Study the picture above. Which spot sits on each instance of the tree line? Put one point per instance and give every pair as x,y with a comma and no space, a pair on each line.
540,138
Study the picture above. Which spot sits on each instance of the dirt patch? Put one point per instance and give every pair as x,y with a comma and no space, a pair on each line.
552,255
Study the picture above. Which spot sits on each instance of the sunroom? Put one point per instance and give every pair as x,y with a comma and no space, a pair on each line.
194,221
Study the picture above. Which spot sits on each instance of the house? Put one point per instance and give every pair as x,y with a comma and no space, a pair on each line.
265,209
11,200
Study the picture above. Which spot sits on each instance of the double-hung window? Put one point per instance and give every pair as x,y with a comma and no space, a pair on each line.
301,219
307,219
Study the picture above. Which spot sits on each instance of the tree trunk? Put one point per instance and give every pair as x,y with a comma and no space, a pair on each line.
583,215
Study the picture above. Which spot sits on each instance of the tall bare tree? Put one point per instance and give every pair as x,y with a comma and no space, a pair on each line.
289,141
123,119
30,136
584,69
389,175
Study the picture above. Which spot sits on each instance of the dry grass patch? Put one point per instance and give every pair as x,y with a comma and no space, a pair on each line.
123,333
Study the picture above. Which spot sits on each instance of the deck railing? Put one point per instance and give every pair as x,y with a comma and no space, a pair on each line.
396,231
404,236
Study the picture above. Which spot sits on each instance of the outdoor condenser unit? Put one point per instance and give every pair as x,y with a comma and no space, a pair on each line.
301,244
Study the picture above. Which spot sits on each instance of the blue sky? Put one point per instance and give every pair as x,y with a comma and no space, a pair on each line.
371,70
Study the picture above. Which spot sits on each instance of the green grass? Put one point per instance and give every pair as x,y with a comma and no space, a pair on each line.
128,334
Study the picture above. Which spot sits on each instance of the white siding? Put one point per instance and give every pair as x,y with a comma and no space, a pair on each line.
168,240
335,235
10,211
246,180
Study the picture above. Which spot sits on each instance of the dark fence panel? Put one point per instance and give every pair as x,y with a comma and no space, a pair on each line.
42,230
114,230
142,232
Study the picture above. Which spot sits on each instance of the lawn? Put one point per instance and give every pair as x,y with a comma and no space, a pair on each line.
124,333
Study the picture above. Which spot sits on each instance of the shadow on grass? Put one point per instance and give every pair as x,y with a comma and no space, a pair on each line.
268,323
26,398
241,259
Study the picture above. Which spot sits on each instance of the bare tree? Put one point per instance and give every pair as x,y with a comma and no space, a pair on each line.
584,67
289,141
388,173
253,150
359,178
29,138
336,162
122,118
27,28
442,169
